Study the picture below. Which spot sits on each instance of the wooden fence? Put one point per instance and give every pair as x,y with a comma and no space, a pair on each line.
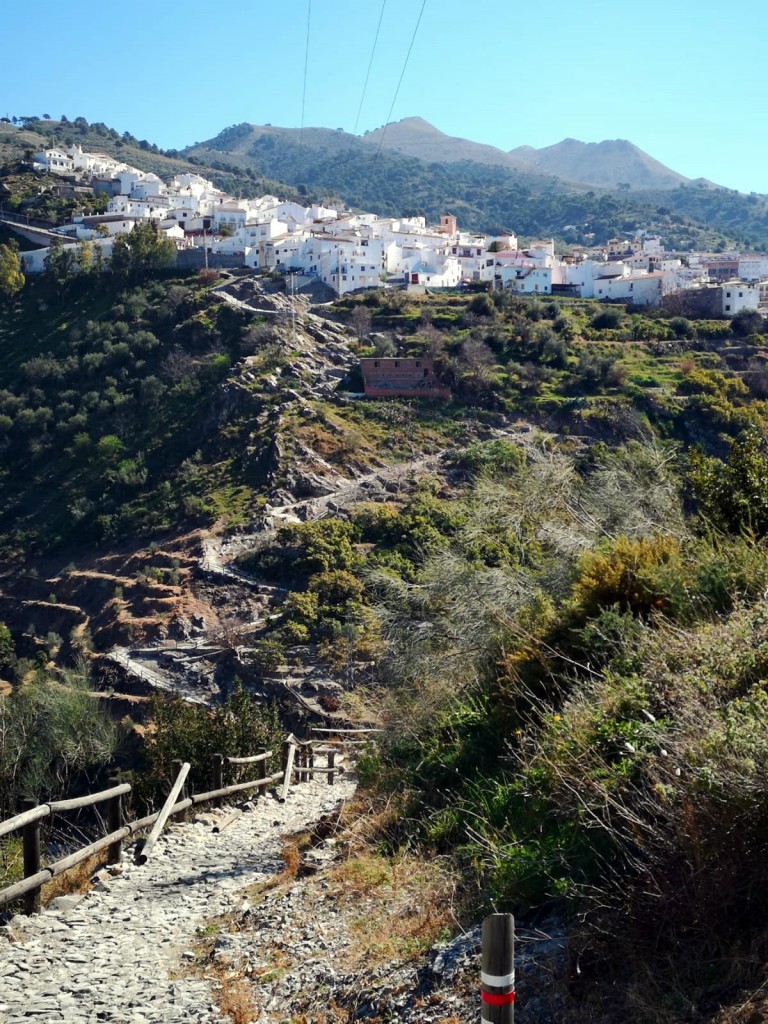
298,765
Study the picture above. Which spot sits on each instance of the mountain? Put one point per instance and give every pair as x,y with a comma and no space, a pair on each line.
493,192
415,137
610,164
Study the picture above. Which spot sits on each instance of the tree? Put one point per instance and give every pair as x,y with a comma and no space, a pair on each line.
11,277
734,495
85,257
120,261
360,321
141,252
59,264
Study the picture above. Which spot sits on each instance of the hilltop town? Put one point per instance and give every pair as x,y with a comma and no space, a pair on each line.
347,251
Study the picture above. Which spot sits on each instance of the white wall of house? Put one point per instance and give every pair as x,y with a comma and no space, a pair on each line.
640,290
753,267
738,295
434,271
527,280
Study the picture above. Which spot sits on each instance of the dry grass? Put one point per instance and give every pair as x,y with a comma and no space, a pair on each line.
400,905
77,879
234,998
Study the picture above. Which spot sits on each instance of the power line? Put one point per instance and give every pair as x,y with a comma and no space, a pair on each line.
304,90
351,152
370,65
400,80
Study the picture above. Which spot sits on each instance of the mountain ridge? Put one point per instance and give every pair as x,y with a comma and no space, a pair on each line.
610,163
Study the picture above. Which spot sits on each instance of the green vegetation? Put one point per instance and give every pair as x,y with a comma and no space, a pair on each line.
54,737
573,674
109,406
237,727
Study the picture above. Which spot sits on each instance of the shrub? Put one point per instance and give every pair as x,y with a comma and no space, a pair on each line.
607,319
624,574
194,732
493,457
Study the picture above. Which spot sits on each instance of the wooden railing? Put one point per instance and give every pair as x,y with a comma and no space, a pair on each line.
298,765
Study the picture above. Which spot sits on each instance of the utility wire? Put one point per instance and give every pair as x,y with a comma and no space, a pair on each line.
370,65
304,90
400,80
351,152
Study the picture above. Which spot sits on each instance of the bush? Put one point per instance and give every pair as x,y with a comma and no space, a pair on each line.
52,733
194,733
625,574
492,457
607,319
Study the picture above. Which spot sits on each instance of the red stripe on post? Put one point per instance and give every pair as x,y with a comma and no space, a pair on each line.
502,1000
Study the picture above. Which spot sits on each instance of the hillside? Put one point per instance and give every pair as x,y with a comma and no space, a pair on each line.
36,134
548,589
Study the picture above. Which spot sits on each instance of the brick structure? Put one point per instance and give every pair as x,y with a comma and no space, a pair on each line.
408,378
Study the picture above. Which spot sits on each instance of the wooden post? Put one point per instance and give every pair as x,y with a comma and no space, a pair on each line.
497,973
311,761
331,766
176,765
290,755
31,839
218,776
114,823
142,856
261,773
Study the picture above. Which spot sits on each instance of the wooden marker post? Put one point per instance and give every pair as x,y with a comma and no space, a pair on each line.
331,766
497,973
31,840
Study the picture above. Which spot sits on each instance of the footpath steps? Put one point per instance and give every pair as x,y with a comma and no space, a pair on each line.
121,955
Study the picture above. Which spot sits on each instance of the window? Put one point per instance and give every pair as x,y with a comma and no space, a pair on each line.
376,363
727,309
397,362
728,295
418,362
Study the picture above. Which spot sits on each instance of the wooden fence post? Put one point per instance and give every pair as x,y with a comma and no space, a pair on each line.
497,973
114,823
331,766
218,776
289,753
31,839
261,773
311,761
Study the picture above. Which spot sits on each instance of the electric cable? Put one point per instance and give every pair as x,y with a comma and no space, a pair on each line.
370,65
400,80
304,90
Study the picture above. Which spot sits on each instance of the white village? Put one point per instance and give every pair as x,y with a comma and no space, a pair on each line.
349,251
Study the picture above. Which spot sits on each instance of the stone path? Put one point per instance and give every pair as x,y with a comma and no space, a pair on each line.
119,955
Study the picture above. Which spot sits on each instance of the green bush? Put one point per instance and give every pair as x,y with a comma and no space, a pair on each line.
237,727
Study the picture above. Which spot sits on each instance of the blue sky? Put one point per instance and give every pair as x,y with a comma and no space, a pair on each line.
686,80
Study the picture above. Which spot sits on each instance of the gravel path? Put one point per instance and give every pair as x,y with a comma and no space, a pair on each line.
118,956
